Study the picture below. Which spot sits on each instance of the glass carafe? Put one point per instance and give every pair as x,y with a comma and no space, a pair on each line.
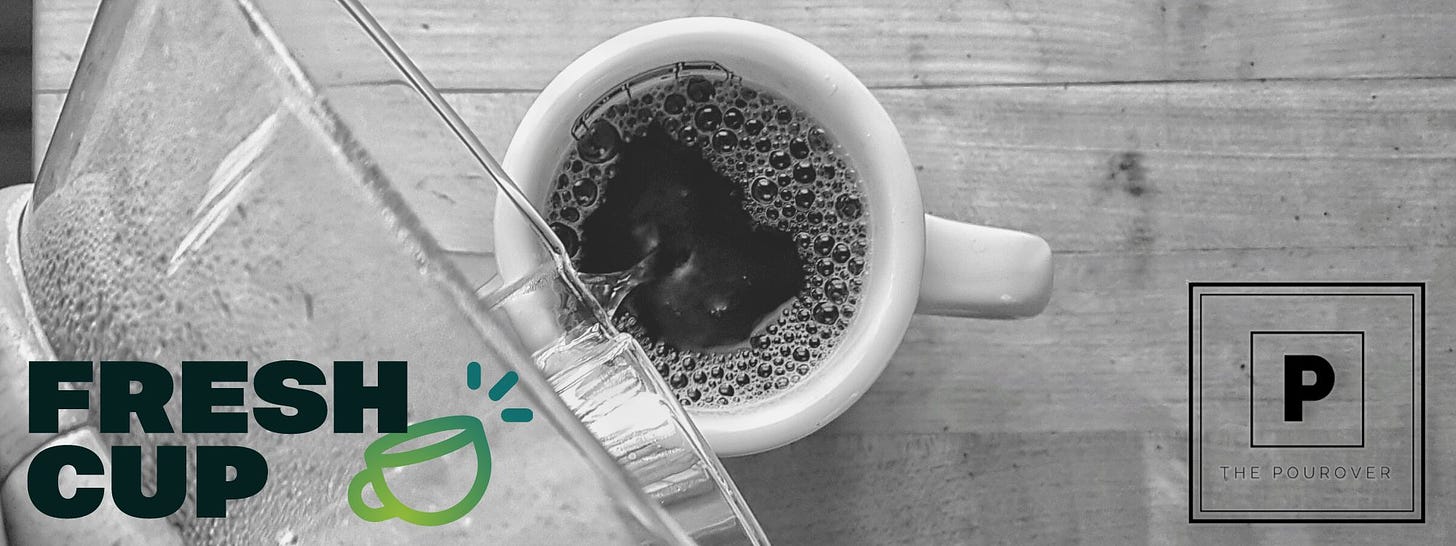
262,180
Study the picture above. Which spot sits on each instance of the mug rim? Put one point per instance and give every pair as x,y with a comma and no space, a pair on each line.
469,431
814,81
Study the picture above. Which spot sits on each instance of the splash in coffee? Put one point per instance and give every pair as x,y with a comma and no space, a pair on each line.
750,221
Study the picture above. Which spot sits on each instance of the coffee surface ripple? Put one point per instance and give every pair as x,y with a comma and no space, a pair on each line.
753,220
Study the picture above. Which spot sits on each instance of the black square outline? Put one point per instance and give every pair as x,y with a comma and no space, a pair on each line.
1420,415
1253,333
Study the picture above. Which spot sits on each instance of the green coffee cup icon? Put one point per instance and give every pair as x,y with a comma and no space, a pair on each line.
377,457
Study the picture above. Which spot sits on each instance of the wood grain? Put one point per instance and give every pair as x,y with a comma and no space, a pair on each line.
1071,487
1151,168
521,44
1139,138
952,488
1069,427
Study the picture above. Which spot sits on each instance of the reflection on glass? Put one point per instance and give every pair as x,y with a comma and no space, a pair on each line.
253,180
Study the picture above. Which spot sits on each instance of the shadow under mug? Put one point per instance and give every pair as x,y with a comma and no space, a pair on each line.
377,457
917,263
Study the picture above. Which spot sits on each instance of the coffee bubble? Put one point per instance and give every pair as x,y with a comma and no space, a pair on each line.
764,190
799,147
804,173
725,140
792,178
699,89
804,198
674,103
585,192
733,118
707,118
779,159
600,143
835,290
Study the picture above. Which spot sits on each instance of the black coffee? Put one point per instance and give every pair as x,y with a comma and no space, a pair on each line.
751,221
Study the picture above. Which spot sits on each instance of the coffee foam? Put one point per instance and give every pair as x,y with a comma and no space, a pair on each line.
794,179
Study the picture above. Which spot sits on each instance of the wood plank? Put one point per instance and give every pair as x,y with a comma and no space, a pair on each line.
1158,167
1110,352
1011,488
521,44
952,489
1067,426
1070,427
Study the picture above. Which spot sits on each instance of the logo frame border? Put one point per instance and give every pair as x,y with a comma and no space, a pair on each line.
1420,301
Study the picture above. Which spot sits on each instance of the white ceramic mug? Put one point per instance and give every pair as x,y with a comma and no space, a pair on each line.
915,262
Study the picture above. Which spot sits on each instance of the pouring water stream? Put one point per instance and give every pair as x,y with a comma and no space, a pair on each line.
606,289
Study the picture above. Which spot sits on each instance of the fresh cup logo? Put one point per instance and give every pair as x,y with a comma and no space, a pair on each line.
233,472
458,431
466,432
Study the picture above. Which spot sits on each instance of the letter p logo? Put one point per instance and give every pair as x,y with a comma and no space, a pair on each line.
1296,391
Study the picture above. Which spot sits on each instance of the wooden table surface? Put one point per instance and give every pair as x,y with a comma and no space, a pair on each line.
1150,142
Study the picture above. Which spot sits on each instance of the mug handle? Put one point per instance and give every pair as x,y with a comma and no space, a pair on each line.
983,272
365,478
